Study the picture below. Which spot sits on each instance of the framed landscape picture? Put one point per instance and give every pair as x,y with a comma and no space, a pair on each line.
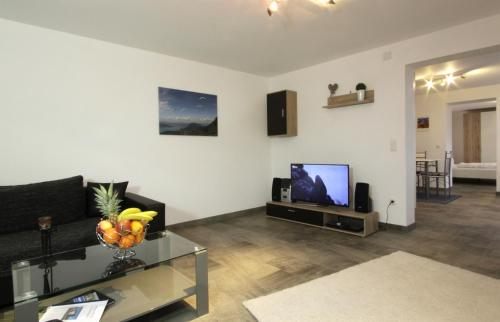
187,113
423,123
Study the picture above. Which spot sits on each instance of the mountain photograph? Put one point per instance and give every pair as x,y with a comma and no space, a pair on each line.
187,113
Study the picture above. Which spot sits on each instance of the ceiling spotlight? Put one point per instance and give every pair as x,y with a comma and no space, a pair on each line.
274,5
272,8
429,84
450,79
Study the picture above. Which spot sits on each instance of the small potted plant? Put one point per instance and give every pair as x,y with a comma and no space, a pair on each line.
361,89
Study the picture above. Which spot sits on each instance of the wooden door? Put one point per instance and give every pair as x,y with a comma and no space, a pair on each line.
472,137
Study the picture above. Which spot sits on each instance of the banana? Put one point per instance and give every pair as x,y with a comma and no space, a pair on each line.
127,212
130,211
138,216
150,213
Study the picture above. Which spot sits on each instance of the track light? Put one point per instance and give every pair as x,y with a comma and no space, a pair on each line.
429,84
450,79
274,5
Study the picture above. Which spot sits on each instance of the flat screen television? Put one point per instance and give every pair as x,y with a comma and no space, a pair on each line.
323,184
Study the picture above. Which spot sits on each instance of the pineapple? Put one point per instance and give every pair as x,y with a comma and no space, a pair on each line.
108,202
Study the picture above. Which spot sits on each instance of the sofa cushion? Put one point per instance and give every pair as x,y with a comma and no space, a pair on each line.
119,187
20,206
27,244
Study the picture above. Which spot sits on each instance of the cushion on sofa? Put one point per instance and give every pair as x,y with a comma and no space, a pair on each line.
119,187
20,206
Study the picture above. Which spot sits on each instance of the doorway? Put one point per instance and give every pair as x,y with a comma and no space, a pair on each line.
453,109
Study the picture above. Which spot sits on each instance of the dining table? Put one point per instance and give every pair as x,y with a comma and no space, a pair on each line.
425,165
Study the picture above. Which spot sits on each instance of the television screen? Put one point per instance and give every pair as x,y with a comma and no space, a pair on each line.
324,184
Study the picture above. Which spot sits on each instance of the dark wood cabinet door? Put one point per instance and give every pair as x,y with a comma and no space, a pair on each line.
295,214
276,113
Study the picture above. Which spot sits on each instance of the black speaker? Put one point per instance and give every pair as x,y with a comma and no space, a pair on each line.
362,201
276,192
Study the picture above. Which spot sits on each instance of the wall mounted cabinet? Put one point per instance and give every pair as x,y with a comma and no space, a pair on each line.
282,113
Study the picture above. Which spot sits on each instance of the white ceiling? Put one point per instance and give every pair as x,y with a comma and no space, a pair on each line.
479,70
238,34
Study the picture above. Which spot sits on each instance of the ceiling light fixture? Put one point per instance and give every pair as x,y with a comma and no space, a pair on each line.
443,80
450,79
429,84
274,5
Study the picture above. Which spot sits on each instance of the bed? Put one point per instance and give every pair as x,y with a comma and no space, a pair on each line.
482,171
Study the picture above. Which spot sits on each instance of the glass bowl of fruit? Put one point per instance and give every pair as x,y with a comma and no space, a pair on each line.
124,231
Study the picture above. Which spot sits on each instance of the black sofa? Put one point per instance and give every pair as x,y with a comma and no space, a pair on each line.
66,201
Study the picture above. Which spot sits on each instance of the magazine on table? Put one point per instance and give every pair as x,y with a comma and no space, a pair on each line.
76,312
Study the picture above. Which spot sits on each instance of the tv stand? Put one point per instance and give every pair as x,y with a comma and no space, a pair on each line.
339,219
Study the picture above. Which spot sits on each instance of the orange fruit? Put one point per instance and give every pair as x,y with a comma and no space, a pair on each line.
139,238
126,242
111,236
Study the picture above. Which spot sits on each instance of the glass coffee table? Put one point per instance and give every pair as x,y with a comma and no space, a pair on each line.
142,284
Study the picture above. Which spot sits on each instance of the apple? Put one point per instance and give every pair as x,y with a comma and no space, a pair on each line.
123,226
104,225
136,227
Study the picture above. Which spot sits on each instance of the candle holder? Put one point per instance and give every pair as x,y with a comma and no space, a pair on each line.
45,224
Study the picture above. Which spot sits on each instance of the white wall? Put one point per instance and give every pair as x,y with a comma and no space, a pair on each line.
488,137
75,105
362,135
71,105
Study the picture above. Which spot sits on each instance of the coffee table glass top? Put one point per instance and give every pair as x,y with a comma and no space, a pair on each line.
46,276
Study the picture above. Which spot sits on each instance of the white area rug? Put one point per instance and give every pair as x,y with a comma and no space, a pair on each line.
396,287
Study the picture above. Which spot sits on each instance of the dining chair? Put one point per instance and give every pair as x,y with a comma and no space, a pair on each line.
420,157
445,175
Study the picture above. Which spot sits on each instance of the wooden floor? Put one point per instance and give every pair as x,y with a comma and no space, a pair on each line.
252,255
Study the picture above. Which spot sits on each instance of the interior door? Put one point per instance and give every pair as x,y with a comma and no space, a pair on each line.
276,113
472,137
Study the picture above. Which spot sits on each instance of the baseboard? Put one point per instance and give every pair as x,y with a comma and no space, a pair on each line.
384,226
217,218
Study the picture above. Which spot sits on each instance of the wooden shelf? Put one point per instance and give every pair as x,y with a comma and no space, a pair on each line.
350,100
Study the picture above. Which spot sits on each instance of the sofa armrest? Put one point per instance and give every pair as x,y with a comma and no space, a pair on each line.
134,200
